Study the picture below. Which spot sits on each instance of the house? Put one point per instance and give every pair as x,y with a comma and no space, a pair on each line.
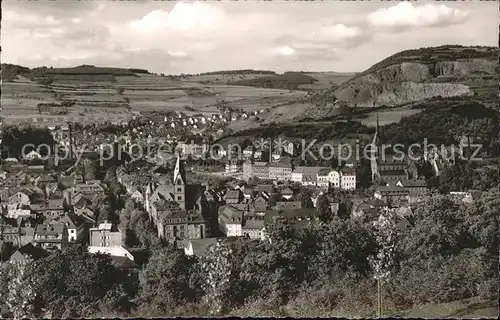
75,225
247,153
179,224
233,196
33,155
193,145
105,235
348,179
306,176
323,180
29,251
248,193
287,205
287,193
260,205
230,220
17,210
231,166
416,188
19,198
392,194
52,236
253,227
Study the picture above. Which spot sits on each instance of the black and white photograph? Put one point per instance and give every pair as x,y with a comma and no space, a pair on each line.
302,159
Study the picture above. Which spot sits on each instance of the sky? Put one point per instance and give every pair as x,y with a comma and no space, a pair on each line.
191,37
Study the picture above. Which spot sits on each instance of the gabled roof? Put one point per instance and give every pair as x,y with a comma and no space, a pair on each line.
253,224
420,183
29,250
232,194
49,229
201,246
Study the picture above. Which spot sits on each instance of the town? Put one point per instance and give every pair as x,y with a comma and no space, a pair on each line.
249,159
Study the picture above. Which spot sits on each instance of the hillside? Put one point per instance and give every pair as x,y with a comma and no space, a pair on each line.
416,75
288,80
97,94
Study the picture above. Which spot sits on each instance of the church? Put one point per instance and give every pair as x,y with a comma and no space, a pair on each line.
389,168
178,210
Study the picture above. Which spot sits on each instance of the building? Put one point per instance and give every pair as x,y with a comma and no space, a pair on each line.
288,205
194,146
231,166
253,227
28,251
231,220
306,176
247,170
233,196
287,193
348,179
260,170
178,225
416,188
75,226
53,236
392,194
105,235
281,170
385,167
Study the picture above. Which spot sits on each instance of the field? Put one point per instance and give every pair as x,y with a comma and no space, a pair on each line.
88,100
326,80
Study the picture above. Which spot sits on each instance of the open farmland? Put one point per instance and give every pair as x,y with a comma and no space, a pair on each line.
72,96
326,80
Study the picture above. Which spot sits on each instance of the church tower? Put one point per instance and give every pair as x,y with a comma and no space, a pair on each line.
180,183
375,146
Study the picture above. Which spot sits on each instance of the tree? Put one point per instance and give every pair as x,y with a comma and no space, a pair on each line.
165,281
77,281
304,196
217,269
323,208
383,262
17,290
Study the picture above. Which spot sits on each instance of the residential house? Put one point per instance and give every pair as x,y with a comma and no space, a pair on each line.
287,193
253,227
231,220
288,205
260,170
392,194
416,188
348,179
28,251
52,236
105,235
233,196
75,225
306,176
194,145
260,205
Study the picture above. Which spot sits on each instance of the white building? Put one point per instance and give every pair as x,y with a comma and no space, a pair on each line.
348,180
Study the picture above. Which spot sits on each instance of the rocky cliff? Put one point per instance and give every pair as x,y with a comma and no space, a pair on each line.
417,75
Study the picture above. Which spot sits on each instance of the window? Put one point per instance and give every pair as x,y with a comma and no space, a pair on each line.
179,189
179,197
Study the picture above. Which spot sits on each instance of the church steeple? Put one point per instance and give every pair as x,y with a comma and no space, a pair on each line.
180,183
179,172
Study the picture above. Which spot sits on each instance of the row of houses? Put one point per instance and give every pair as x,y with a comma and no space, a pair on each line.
321,177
